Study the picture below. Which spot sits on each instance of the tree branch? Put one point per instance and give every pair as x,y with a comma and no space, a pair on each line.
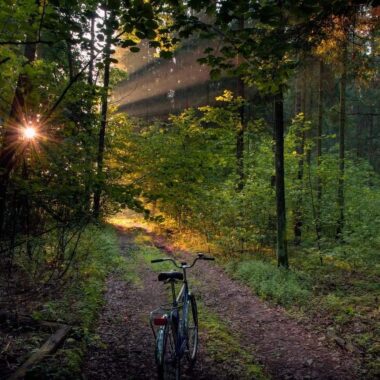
66,89
71,82
42,20
38,41
4,60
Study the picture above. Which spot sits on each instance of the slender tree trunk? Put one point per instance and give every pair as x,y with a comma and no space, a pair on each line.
300,106
298,97
70,60
92,51
240,139
282,251
342,129
90,81
16,118
308,111
370,146
241,129
104,114
359,141
319,151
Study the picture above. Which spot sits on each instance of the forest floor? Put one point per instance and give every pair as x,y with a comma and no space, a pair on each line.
241,336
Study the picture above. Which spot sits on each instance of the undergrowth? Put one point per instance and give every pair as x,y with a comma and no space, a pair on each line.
280,285
79,303
342,300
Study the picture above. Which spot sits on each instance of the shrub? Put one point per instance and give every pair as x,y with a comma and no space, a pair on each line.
280,285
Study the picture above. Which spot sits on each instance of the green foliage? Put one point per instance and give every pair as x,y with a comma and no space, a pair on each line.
186,172
269,282
81,301
117,76
97,255
268,52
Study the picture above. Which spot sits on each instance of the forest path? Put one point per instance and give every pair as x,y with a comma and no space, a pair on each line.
124,348
287,349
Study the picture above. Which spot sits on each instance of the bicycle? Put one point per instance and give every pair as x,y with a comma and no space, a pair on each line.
176,323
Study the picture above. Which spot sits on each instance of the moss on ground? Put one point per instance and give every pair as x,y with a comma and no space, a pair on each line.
224,347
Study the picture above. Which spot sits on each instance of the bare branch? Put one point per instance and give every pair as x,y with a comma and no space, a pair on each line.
66,89
38,41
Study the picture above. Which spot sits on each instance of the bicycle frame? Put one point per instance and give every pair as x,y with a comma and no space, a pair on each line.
181,301
170,316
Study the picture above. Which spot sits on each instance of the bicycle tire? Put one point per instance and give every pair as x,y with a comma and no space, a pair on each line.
192,330
168,365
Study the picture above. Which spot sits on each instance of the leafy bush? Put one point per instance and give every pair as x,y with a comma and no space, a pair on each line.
97,254
269,282
187,172
81,301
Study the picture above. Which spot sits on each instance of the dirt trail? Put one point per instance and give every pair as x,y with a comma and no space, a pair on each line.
125,350
287,349
126,347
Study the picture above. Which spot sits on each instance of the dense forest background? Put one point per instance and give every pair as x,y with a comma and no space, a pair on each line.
282,172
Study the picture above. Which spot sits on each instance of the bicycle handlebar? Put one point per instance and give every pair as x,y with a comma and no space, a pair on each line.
157,260
200,256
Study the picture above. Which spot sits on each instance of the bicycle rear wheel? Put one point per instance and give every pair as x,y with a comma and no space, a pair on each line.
192,329
168,365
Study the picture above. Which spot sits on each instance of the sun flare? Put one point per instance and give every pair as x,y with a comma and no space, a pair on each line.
30,133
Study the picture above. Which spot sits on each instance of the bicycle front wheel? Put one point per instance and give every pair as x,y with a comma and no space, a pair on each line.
168,365
192,329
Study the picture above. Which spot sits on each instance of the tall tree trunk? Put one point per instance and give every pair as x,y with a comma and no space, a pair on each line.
104,114
358,133
90,79
89,128
282,251
342,129
70,60
16,118
240,139
319,151
241,128
370,145
300,106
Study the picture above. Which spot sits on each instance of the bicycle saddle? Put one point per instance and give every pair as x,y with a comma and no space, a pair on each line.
163,276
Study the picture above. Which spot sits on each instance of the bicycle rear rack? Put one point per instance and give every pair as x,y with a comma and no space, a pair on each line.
160,316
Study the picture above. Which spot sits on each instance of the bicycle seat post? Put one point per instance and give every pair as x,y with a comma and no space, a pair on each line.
173,293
